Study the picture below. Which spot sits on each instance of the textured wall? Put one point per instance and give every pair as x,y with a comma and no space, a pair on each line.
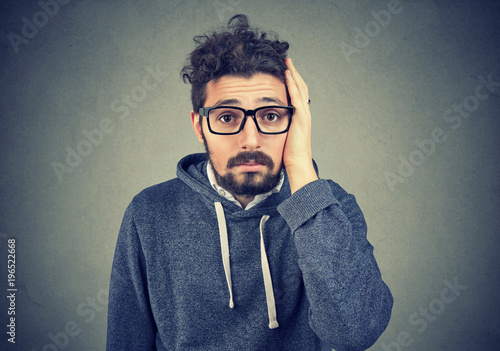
405,101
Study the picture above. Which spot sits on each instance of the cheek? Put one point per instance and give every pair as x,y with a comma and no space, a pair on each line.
219,157
277,152
219,153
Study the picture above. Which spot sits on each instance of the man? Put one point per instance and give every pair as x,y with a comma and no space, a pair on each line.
247,249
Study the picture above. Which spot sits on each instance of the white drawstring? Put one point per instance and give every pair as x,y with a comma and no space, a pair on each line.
224,244
266,272
268,284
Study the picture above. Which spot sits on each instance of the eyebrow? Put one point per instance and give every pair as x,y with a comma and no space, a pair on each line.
228,102
272,100
236,102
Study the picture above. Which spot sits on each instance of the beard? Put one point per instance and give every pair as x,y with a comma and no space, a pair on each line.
246,184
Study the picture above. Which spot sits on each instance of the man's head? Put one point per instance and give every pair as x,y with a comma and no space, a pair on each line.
245,69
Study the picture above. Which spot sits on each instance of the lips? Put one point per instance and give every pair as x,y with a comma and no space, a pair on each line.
250,163
250,167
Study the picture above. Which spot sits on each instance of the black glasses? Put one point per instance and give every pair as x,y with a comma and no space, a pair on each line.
228,120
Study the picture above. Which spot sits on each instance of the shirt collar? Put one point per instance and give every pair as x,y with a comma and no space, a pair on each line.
224,193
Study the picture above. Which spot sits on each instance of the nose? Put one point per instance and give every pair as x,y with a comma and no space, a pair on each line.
249,136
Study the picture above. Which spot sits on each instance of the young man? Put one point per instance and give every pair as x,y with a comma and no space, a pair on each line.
246,249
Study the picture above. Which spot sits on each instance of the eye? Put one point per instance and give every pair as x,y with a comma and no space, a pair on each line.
271,117
225,118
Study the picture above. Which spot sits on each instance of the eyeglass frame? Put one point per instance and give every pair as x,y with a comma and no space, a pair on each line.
204,111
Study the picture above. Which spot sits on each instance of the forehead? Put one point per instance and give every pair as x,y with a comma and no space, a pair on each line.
259,87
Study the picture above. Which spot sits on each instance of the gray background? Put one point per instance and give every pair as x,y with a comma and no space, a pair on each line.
436,224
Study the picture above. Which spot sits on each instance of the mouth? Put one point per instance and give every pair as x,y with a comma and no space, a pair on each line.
250,166
249,163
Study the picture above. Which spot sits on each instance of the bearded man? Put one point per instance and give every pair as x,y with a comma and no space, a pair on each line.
247,249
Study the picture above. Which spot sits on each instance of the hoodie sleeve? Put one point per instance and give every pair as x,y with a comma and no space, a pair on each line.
350,305
130,321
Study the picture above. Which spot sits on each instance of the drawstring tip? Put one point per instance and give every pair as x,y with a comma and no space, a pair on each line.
231,304
273,325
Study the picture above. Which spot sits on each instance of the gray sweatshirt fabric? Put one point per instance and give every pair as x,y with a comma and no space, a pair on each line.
193,271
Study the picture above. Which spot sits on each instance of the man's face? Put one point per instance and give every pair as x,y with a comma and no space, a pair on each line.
247,163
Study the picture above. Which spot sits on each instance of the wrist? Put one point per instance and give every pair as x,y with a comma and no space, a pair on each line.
299,176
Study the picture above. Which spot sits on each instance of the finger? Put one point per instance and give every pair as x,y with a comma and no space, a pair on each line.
297,77
297,91
293,89
297,95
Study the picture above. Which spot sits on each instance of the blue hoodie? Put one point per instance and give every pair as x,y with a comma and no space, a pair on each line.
193,271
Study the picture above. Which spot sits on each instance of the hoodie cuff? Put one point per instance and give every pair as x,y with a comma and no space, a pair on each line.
306,202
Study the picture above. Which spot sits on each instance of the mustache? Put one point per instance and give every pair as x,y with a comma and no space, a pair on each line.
245,157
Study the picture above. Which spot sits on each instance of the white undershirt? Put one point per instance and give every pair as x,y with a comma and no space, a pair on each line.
223,192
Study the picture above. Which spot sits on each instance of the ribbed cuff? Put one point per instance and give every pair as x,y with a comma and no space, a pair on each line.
306,202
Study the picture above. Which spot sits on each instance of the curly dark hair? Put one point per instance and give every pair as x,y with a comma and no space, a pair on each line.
242,51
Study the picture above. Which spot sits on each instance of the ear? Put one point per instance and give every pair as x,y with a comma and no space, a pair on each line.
195,120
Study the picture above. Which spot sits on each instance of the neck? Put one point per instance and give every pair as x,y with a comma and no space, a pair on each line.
243,199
